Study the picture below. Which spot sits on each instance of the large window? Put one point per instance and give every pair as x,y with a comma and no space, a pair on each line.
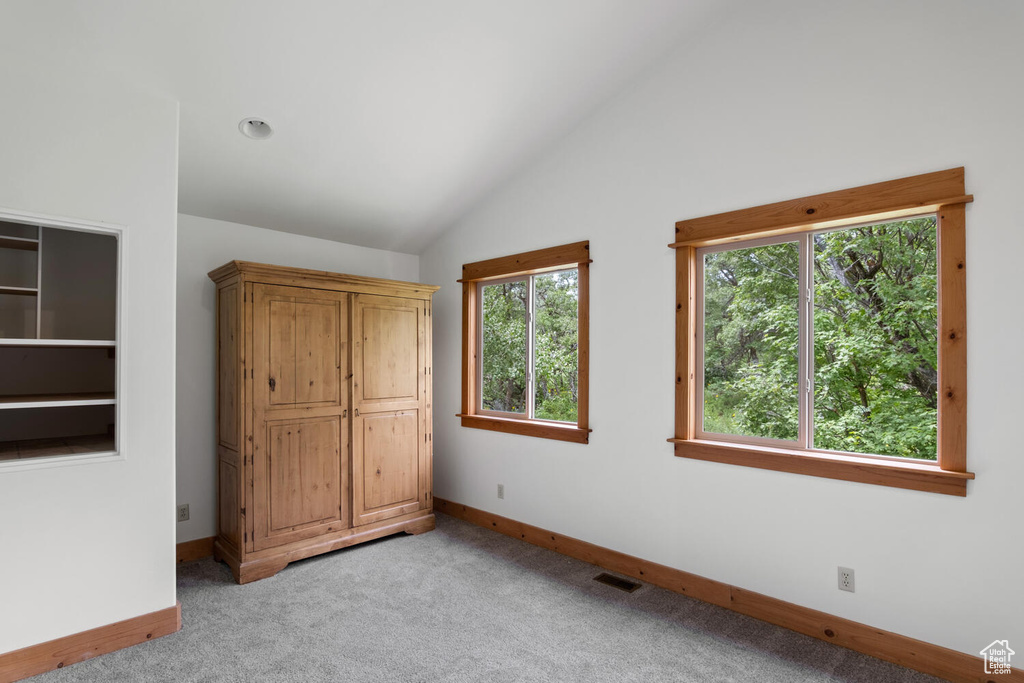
826,335
526,342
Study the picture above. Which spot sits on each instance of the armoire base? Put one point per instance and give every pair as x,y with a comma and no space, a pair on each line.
265,563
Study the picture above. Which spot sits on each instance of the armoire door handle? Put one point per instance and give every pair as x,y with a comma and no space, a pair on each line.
273,383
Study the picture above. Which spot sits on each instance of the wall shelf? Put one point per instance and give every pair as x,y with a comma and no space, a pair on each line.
56,400
59,353
23,243
60,343
20,291
71,445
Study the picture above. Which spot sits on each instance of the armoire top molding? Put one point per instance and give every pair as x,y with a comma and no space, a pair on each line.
304,277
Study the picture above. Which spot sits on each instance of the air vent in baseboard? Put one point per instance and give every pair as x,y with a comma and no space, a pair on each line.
617,582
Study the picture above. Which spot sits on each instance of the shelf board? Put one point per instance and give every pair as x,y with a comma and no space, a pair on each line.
21,291
107,343
68,445
56,400
23,243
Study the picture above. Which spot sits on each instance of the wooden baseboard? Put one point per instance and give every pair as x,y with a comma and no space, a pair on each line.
78,647
195,550
891,647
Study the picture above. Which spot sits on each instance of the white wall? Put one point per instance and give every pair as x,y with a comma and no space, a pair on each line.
779,100
205,244
90,544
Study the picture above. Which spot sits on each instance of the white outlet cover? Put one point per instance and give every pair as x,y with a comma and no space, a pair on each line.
846,580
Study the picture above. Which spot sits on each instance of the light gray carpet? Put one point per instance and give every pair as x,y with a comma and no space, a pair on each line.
462,604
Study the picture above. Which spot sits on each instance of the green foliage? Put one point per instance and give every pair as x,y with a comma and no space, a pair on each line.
504,347
504,383
555,344
875,340
750,351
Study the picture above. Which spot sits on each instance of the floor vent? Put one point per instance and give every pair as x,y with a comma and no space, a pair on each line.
616,582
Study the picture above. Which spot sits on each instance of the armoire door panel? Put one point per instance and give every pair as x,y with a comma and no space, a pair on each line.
317,348
304,474
388,442
300,479
390,459
301,336
389,354
280,325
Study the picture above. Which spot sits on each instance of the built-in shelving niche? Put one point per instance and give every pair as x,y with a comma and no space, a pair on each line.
58,341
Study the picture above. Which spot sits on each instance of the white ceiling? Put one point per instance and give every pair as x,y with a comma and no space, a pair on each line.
391,117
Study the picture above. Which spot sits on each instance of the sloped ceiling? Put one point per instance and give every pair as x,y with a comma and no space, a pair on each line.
391,117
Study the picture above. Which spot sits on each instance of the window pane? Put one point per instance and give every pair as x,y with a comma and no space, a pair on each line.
554,353
875,339
751,319
504,347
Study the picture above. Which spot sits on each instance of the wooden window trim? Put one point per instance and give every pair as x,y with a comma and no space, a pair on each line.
538,428
941,193
575,255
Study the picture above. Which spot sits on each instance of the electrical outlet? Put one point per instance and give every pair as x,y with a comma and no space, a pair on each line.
501,491
183,513
846,579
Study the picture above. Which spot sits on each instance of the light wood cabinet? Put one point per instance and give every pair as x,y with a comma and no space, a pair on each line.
324,413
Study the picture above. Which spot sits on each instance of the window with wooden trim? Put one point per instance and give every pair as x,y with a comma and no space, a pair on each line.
825,335
525,343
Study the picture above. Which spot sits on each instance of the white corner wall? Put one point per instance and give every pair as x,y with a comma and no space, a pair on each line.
86,545
776,101
205,244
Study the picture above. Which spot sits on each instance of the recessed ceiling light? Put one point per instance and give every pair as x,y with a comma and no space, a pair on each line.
254,128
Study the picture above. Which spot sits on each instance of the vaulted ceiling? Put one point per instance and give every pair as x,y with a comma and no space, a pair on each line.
391,117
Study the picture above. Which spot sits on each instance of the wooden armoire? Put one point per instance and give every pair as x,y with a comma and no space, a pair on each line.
323,413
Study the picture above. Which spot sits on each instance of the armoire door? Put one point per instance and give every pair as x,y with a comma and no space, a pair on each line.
389,468
300,414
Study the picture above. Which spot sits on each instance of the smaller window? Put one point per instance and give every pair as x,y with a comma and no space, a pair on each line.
526,343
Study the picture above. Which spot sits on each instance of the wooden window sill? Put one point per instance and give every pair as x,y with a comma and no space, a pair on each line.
918,476
543,430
